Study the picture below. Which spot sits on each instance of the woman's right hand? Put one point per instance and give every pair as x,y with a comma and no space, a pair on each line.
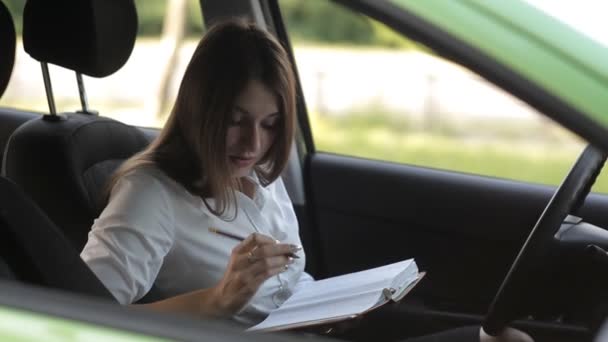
252,261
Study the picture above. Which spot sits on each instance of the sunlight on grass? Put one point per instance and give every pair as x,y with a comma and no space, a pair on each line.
543,162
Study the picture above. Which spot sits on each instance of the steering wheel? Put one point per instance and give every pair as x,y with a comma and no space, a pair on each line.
568,198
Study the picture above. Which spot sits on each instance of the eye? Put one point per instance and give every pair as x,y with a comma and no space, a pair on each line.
271,123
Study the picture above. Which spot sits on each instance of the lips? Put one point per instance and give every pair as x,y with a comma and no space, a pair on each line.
242,161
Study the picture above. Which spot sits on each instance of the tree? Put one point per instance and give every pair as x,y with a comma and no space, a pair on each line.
171,40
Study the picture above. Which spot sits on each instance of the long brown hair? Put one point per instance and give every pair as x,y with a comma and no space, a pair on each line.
191,147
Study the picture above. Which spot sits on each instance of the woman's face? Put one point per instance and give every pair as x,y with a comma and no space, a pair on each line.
253,127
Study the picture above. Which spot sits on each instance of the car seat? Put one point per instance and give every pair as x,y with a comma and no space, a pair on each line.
63,161
35,251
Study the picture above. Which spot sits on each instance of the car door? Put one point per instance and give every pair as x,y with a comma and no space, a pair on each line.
464,214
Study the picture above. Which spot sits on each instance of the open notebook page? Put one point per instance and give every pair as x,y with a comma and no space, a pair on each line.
340,296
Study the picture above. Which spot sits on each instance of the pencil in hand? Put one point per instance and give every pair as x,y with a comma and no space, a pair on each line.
226,234
240,238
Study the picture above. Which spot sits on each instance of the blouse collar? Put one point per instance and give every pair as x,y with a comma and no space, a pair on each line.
260,193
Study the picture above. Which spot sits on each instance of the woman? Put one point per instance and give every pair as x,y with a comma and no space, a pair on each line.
215,166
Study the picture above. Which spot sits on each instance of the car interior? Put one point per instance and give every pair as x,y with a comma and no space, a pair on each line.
497,252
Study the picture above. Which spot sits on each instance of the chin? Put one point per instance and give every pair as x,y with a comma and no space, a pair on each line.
239,173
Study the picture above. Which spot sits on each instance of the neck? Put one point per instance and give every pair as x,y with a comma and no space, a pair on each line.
246,186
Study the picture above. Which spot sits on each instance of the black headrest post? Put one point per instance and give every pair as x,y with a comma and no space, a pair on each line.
46,76
83,96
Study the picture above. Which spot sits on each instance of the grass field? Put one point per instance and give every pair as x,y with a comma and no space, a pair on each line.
537,161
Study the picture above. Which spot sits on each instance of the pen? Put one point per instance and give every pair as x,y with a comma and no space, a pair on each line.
238,238
226,234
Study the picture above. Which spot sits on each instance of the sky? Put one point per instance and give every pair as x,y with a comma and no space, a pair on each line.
587,16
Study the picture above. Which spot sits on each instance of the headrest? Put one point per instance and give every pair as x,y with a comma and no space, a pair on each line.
7,47
92,37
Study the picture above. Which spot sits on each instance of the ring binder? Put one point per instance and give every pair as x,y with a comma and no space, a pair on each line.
388,293
343,297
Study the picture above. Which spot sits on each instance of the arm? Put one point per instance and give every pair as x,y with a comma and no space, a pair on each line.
203,303
129,241
253,261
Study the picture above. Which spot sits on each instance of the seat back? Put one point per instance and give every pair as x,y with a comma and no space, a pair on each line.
7,47
35,251
8,42
5,270
10,119
64,164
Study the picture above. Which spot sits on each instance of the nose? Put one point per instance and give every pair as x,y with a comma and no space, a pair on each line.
250,138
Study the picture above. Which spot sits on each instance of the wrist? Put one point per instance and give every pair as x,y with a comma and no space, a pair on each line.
214,304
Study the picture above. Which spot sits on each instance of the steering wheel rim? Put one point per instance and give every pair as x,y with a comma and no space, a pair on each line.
568,197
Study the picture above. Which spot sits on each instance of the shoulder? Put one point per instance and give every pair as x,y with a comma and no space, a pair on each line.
146,177
149,173
146,184
141,199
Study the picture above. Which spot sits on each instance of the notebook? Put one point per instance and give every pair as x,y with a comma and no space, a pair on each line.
343,297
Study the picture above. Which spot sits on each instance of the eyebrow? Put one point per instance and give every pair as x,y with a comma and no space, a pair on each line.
246,112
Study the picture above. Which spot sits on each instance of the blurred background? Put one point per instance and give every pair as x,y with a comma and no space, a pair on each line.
370,93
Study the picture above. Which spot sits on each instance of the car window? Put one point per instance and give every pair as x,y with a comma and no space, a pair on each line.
133,94
372,93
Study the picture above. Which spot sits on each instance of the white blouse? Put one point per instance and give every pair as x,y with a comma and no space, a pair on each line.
153,231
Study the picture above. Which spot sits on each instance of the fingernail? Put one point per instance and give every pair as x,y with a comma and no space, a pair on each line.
295,248
294,256
277,241
286,267
289,260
